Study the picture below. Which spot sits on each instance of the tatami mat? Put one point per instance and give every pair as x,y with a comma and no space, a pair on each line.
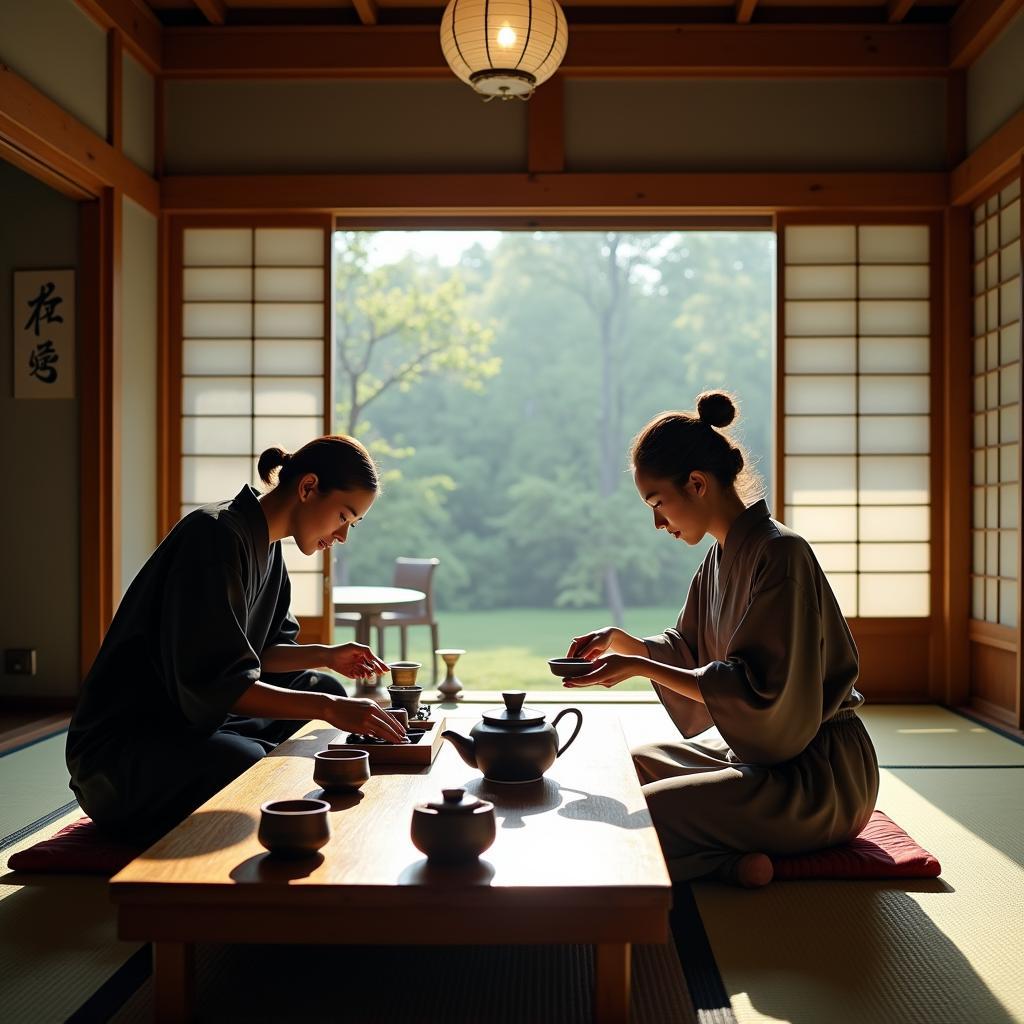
941,951
903,734
453,985
911,734
58,939
947,951
35,781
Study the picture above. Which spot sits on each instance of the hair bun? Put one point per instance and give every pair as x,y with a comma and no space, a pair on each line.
716,408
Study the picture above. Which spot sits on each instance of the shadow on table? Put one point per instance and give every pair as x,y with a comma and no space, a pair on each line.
205,831
266,867
457,876
515,802
339,801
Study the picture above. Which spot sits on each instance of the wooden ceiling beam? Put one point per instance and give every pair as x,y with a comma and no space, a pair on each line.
139,27
599,51
975,26
575,195
745,11
993,160
897,10
367,11
46,133
215,11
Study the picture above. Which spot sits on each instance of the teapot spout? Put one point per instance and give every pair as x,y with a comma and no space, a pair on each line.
465,746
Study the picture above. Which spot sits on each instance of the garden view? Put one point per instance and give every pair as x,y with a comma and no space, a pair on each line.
498,378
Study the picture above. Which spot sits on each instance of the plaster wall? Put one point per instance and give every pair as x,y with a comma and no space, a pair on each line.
137,113
995,84
138,389
62,52
39,516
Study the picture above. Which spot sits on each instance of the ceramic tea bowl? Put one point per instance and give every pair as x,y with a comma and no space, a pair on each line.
294,828
567,668
454,830
341,769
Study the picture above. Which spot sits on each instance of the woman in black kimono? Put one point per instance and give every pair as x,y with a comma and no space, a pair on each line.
760,663
199,674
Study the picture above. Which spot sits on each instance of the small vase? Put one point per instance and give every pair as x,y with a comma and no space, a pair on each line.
450,687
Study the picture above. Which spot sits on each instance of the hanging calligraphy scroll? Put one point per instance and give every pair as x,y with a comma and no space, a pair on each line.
44,334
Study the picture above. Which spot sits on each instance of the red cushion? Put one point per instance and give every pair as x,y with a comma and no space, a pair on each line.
882,850
78,848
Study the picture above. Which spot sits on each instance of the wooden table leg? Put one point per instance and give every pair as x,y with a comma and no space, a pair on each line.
612,976
173,981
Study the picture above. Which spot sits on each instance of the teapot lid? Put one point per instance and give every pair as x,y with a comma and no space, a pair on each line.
456,802
513,713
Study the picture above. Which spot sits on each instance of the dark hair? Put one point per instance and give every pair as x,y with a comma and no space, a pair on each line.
674,444
340,463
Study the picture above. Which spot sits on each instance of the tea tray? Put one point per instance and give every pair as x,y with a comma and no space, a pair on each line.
421,753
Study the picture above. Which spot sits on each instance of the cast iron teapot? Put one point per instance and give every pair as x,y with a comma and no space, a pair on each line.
513,743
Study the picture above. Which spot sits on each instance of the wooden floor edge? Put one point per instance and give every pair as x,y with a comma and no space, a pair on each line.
30,732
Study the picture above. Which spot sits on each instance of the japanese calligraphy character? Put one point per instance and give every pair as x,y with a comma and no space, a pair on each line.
42,307
41,360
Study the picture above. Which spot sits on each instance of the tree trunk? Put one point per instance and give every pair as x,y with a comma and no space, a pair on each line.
613,595
609,434
353,404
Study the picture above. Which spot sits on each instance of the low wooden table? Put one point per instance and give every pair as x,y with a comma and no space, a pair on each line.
576,860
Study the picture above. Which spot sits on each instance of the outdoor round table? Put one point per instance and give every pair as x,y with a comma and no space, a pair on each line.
369,601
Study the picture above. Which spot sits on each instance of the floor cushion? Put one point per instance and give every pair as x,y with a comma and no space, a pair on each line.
882,850
78,848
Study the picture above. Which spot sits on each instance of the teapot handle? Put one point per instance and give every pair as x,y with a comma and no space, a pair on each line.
579,725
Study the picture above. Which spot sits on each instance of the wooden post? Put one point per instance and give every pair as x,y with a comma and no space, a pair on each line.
99,418
115,88
951,682
545,120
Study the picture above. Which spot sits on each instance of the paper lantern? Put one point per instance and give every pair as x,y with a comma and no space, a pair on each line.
503,48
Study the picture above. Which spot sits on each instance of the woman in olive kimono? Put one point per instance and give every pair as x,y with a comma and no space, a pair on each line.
199,674
760,664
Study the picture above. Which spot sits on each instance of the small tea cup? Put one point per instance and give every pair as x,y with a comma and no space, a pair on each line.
403,673
406,698
341,769
401,715
294,828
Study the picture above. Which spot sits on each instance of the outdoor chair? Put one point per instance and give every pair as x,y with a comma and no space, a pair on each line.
416,574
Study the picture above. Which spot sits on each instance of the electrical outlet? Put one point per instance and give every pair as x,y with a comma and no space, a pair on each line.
20,661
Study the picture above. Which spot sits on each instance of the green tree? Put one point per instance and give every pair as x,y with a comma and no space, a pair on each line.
397,324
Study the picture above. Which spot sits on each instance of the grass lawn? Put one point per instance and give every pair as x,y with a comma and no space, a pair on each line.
508,648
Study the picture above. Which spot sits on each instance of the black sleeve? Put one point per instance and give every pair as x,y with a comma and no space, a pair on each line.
285,629
207,658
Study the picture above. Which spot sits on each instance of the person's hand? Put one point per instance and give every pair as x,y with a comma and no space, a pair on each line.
356,661
608,671
358,714
607,638
592,645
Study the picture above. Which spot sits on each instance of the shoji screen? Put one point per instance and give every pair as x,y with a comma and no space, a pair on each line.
995,517
855,404
254,329
996,453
